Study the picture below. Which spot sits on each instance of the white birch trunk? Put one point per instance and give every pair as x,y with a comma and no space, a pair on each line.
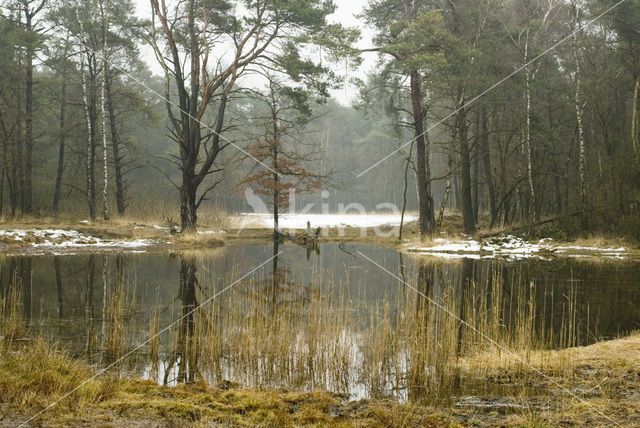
527,135
582,162
87,115
105,153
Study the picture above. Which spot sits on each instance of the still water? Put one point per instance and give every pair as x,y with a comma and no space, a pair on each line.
326,319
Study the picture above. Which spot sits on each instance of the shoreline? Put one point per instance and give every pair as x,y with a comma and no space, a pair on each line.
33,238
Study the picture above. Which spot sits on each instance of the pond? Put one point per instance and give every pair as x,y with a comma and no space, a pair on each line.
326,319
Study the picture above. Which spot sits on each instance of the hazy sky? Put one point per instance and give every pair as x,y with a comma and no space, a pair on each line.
345,14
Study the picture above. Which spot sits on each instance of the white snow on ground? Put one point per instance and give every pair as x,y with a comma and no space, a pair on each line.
299,221
62,239
512,248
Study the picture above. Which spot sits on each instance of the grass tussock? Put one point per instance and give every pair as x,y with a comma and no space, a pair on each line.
35,375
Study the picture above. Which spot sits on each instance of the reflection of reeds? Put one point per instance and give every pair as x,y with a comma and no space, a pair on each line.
12,322
120,311
114,335
290,342
308,338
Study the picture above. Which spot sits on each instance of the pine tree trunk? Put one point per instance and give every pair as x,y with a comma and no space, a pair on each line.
17,180
426,201
61,143
404,191
635,138
486,165
28,123
90,120
115,146
465,173
475,173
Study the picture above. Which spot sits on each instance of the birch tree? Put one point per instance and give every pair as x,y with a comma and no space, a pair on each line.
575,27
103,87
537,17
88,66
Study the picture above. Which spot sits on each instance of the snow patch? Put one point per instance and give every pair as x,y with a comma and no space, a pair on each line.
511,248
63,239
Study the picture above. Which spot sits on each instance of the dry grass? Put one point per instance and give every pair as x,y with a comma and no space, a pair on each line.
198,240
131,222
37,374
601,241
34,376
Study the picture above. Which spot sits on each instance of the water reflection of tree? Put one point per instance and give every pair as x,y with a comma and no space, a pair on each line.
26,275
436,329
89,307
186,353
59,291
417,375
467,281
284,290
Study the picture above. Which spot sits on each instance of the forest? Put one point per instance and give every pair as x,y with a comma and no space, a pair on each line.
188,191
509,112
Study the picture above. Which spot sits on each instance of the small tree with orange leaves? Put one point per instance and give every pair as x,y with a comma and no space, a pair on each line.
281,150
